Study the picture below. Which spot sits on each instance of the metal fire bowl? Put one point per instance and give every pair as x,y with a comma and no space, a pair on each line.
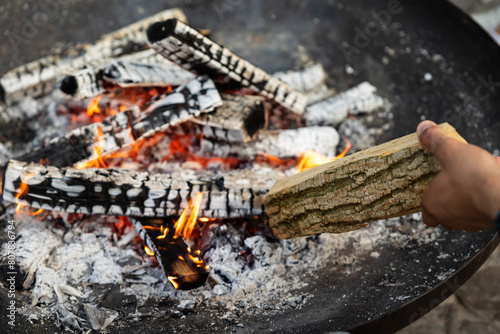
421,37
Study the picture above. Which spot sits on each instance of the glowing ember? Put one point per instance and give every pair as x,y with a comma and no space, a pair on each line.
172,280
181,149
271,160
184,226
311,159
148,251
204,219
93,107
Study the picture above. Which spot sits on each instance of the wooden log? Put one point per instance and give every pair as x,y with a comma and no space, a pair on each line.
306,80
118,131
39,77
238,120
182,265
187,47
137,194
282,144
145,68
334,110
379,183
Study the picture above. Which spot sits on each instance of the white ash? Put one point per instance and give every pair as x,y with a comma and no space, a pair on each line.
264,282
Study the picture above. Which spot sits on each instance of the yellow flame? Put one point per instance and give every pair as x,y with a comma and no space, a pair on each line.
165,232
93,107
184,226
312,159
204,219
172,280
193,217
148,251
98,161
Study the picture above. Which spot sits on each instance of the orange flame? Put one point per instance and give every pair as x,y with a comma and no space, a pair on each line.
148,251
23,189
98,161
36,213
312,159
184,226
93,106
164,231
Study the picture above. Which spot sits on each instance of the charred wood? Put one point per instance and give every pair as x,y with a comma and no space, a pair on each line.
309,79
182,265
38,77
334,110
187,47
144,68
281,144
137,194
238,120
115,132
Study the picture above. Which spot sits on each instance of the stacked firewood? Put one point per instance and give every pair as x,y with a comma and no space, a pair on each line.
216,95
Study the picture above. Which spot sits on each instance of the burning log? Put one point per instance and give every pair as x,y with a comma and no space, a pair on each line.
182,265
334,110
38,77
144,68
281,144
90,142
381,182
238,119
187,47
126,193
306,80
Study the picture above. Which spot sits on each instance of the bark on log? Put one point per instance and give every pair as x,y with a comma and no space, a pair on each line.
282,144
238,120
181,264
126,193
144,68
187,47
38,77
382,182
334,110
186,102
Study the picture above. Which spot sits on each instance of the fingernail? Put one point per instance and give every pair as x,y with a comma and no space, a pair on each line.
424,126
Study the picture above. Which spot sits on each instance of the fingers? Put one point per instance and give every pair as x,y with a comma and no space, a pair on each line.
497,159
433,139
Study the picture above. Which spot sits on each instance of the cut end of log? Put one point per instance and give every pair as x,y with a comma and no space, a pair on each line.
69,85
161,30
382,182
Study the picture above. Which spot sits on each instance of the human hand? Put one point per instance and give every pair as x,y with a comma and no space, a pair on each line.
465,195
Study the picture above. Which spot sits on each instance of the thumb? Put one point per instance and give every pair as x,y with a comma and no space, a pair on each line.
433,139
